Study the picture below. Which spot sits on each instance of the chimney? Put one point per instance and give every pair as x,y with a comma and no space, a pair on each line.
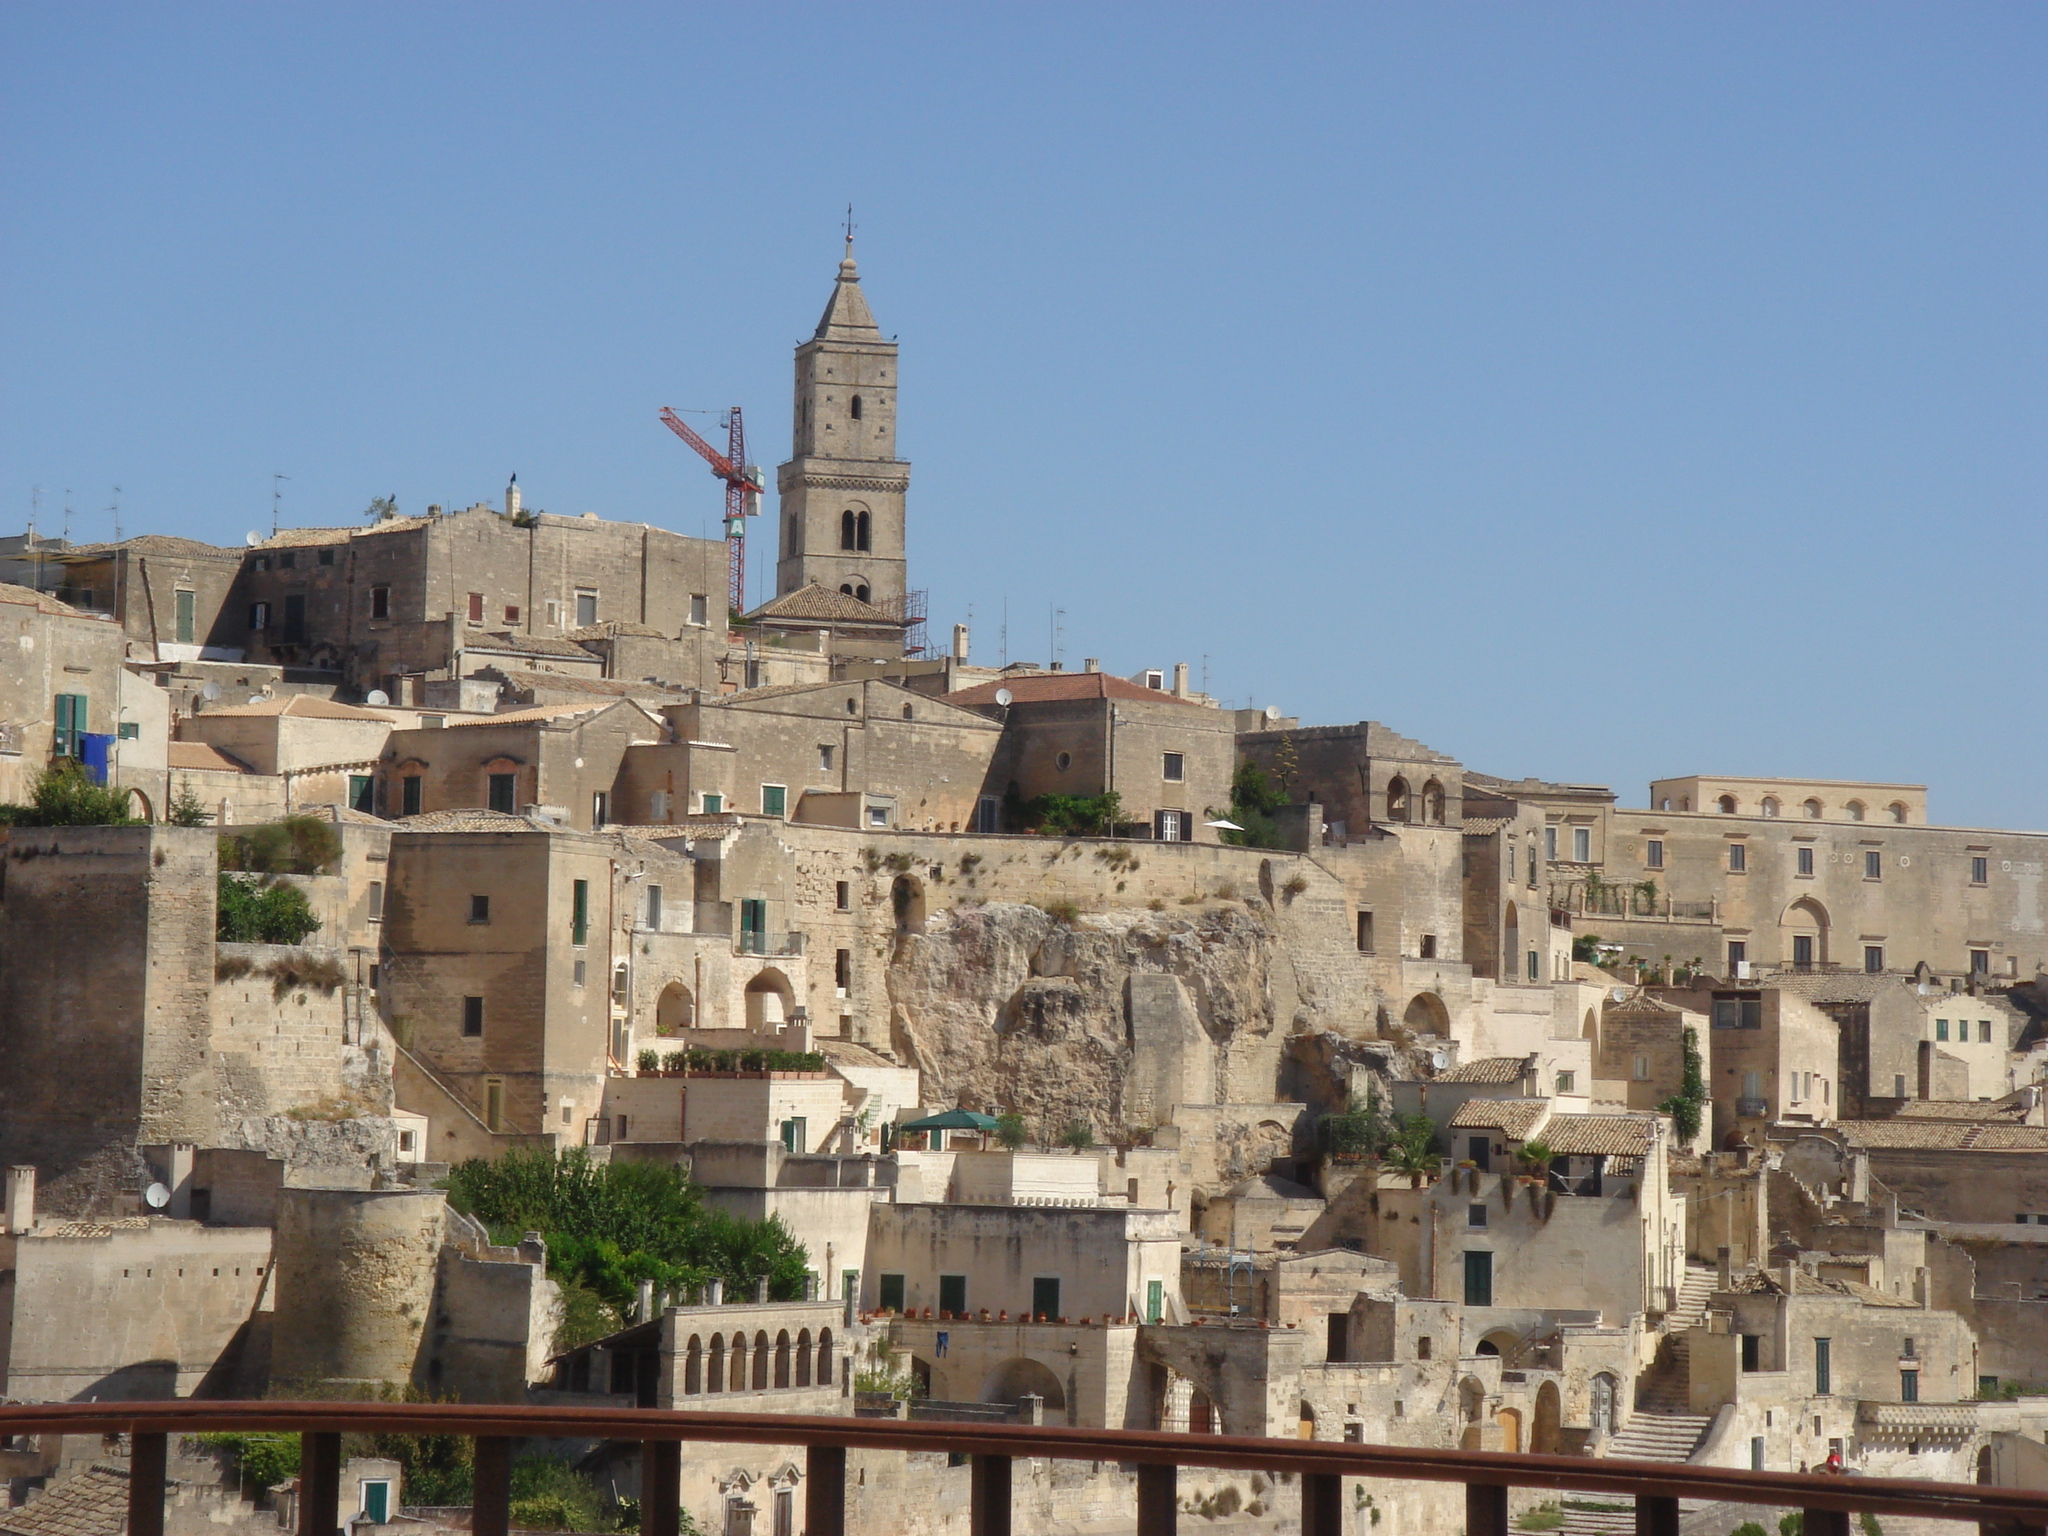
1091,664
512,498
960,644
1180,679
1926,1083
21,1197
643,1308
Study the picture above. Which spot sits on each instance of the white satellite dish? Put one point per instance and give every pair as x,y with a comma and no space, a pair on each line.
256,698
378,696
1618,994
210,692
157,1196
1004,696
1272,711
1440,1059
252,538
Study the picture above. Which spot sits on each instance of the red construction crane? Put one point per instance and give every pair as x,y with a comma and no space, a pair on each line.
742,494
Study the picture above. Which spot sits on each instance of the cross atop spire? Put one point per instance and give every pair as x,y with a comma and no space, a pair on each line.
849,231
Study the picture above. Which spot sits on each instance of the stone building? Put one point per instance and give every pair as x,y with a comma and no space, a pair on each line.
567,756
62,688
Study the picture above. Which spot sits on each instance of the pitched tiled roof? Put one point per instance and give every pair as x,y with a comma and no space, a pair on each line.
540,714
1486,826
1488,1069
564,682
300,706
89,1503
1595,1135
604,629
1960,1109
1943,1135
468,820
1051,687
203,756
821,603
291,538
147,544
344,815
527,645
29,597
1513,1118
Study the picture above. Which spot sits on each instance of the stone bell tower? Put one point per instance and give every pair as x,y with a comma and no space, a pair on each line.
842,491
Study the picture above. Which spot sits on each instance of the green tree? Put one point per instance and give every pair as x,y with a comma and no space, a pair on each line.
1010,1131
381,507
66,795
1412,1149
296,845
1254,798
251,912
1687,1106
187,810
1078,1135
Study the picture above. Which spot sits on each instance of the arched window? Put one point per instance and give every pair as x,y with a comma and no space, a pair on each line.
1812,809
846,587
1770,805
1397,799
803,1358
1726,804
825,1357
1897,811
1853,810
861,593
856,407
849,531
861,527
1433,803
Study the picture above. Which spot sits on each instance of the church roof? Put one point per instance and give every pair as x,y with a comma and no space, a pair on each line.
820,602
1055,687
847,317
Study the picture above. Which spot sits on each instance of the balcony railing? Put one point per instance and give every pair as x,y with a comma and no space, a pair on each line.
1656,1487
754,941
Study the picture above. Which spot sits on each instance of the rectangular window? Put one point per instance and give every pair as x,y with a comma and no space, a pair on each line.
1941,1029
1804,855
294,618
988,814
1582,845
1155,1300
1823,1374
581,974
362,792
376,903
586,609
1175,769
1752,1351
1653,853
380,602
1172,826
71,718
579,912
1980,962
259,616
878,815
713,804
1428,947
1475,1214
842,970
796,1135
753,925
1873,959
1909,1386
409,795
890,1292
504,792
1756,1453
774,799
186,598
654,907
288,561
1550,844
1535,965
1738,858
1365,933
1478,1278
263,562
1045,1296
128,730
511,613
1738,956
1802,952
479,909
494,1102
476,607
1642,1069
952,1294
824,759
1567,1082
600,810
699,608
1873,864
472,1016
843,896
1980,870
1983,1031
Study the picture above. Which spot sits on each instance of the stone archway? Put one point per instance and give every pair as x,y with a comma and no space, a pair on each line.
1426,1015
770,1001
1803,935
1016,1377
1545,1430
675,1010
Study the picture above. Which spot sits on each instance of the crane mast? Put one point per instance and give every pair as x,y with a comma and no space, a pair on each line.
743,485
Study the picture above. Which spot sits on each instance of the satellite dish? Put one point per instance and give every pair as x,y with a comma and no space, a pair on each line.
1618,994
1272,711
1440,1059
256,698
157,1196
251,538
378,696
210,692
1004,696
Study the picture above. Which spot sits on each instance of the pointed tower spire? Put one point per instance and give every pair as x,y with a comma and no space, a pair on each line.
847,317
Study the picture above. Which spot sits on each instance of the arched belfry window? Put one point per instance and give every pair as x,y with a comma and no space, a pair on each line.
861,531
1397,799
849,531
856,407
861,593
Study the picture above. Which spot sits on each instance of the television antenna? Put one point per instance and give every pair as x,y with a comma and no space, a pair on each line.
276,498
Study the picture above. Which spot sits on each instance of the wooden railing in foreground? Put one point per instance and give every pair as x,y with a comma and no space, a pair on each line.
1656,1487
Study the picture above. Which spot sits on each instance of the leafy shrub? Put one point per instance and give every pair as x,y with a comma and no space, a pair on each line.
1079,1135
1061,911
249,913
66,796
187,810
258,1461
647,1061
1010,1131
1073,815
297,845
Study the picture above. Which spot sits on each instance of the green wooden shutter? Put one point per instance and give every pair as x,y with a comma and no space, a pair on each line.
579,919
185,615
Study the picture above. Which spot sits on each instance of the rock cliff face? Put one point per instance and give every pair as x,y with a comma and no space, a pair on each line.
1007,1006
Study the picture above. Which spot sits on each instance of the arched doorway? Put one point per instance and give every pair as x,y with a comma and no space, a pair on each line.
1018,1377
675,1010
1804,934
141,806
770,999
1426,1015
1544,1431
1433,803
1397,798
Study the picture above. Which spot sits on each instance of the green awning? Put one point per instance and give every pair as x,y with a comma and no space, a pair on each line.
952,1120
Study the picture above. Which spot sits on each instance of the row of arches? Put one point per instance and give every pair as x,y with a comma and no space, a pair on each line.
1427,809
1812,808
737,1366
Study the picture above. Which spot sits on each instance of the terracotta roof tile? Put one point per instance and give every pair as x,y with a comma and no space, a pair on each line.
1488,1069
91,1503
1513,1118
1943,1135
300,706
821,603
202,756
30,598
1597,1135
1960,1109
528,645
1056,687
469,819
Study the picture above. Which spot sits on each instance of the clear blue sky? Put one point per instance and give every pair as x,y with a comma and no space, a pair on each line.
1599,392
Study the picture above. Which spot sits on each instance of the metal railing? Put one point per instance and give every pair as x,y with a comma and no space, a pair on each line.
1828,1502
754,941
